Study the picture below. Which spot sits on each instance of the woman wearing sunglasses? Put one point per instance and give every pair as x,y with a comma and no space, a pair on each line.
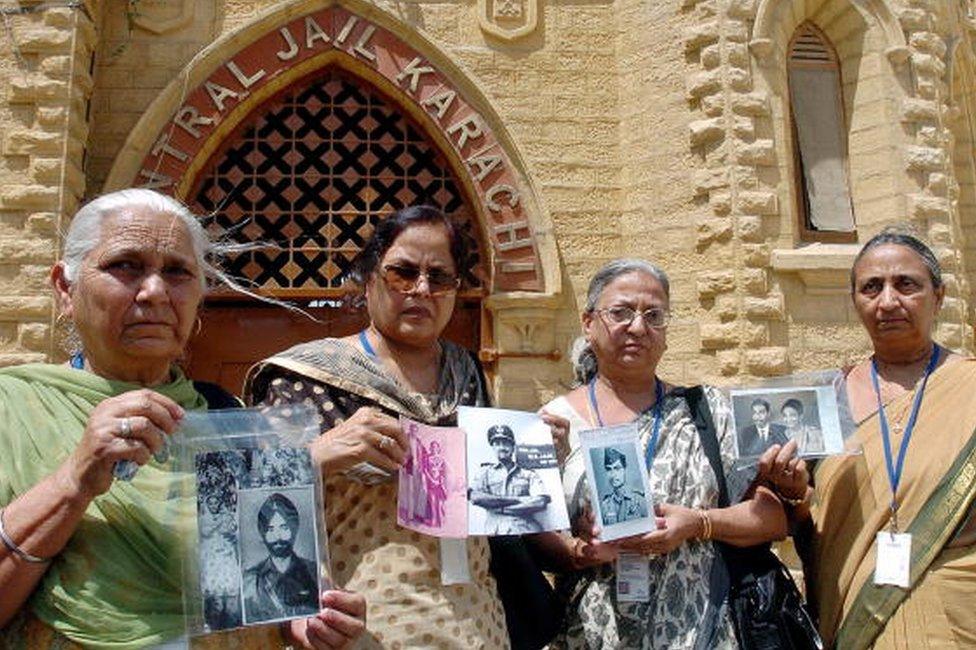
625,326
398,365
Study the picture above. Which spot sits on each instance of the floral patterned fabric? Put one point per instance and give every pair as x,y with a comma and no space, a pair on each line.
682,611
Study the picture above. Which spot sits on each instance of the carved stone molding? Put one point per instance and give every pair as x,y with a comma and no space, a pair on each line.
768,17
524,325
508,20
161,16
825,269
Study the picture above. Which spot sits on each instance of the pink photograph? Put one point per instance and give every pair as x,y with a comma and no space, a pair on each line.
432,497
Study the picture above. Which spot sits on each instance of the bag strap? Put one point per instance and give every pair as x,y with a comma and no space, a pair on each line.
216,396
702,413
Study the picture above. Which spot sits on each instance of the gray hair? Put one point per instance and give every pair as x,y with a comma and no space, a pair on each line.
899,236
581,354
86,227
85,232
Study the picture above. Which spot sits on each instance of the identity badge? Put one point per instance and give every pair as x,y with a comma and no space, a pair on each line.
894,559
633,578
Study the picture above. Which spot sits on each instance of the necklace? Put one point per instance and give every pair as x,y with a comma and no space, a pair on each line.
897,421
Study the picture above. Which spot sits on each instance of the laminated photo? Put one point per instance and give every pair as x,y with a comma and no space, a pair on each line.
432,495
620,494
258,536
514,485
773,416
252,517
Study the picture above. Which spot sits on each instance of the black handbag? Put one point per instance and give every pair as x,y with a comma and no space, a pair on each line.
766,607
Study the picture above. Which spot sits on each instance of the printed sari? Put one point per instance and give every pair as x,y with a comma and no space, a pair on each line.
935,496
398,570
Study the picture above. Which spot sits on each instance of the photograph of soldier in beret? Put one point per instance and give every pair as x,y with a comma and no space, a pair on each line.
617,478
511,494
620,502
281,584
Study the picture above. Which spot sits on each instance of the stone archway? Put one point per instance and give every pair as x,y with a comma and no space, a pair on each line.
211,100
187,123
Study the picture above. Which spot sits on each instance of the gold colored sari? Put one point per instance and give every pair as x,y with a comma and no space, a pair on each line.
935,497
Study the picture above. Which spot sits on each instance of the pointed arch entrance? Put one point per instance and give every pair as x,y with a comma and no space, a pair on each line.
306,177
189,143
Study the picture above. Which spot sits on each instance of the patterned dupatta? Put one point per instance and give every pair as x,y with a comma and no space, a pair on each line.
341,364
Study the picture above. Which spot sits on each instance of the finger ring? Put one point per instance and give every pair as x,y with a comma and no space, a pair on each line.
787,471
384,442
125,428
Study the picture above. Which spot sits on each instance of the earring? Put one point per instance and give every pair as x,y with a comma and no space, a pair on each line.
198,326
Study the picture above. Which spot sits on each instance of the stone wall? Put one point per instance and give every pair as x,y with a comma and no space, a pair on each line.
43,111
649,129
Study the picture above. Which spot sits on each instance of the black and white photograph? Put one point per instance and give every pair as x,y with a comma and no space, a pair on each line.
280,569
514,486
774,416
258,536
618,481
218,473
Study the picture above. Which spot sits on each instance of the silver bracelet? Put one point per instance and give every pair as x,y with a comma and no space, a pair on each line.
16,550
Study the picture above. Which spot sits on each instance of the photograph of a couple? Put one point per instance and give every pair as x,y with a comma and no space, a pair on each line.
774,416
432,495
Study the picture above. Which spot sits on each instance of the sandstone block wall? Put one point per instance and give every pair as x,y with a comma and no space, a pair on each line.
649,129
46,69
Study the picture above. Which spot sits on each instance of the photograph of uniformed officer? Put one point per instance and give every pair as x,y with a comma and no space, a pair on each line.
511,494
283,584
621,503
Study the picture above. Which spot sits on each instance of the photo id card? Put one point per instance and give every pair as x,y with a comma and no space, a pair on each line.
894,559
633,578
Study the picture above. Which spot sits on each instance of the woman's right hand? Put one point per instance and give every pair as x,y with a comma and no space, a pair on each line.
588,549
369,436
784,471
132,426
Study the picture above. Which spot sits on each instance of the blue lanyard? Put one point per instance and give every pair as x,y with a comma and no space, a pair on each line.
367,346
895,466
655,428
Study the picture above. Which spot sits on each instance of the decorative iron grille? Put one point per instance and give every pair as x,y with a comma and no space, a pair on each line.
309,175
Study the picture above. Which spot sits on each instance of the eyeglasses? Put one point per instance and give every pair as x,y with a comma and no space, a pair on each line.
404,279
655,317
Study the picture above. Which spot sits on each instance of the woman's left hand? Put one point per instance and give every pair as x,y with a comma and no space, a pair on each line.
560,434
675,526
341,621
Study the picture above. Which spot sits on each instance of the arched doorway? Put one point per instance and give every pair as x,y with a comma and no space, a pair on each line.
304,178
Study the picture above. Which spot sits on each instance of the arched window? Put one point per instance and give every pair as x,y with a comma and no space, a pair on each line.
823,196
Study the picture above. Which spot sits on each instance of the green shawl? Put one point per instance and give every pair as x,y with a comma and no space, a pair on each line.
117,583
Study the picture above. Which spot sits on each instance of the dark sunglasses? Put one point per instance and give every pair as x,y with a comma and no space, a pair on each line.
404,279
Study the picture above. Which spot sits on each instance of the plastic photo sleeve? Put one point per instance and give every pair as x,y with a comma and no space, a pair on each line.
810,408
619,489
255,550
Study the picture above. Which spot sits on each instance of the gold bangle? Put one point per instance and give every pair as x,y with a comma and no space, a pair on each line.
706,521
792,502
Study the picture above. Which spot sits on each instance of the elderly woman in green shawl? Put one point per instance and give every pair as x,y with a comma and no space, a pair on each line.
86,560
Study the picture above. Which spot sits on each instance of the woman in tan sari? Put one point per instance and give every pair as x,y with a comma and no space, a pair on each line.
897,290
397,366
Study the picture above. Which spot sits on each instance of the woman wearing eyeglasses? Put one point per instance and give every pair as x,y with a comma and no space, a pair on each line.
625,326
398,365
